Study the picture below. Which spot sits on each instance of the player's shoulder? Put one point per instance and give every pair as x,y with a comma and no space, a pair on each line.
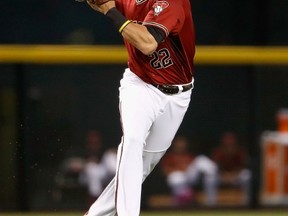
170,5
174,5
175,2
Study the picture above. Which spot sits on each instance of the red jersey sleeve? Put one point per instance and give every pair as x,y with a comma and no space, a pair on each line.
167,15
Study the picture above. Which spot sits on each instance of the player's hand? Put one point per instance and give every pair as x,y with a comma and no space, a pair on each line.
102,8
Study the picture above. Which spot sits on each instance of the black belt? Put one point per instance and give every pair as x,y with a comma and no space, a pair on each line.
171,89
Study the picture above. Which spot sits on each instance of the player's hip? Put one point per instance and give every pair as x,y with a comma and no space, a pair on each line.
131,79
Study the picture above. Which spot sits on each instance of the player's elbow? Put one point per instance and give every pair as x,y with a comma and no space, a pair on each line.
149,47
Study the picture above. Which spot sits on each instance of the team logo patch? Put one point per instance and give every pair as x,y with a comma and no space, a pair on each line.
140,1
159,6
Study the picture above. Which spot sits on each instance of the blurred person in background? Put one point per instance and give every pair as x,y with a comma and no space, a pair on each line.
109,161
232,160
100,167
94,172
184,170
82,167
93,176
93,144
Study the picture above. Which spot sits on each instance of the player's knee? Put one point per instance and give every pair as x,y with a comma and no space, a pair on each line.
133,142
150,160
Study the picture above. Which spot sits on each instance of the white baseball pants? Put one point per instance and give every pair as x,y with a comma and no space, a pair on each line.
150,120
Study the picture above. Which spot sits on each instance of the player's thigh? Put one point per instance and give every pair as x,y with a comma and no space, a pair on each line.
136,110
166,125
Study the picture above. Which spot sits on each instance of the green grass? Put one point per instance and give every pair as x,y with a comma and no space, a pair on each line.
274,212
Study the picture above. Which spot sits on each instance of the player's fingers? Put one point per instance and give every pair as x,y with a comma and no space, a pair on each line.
91,1
93,5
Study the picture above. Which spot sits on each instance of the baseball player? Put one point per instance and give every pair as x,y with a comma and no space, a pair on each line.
155,92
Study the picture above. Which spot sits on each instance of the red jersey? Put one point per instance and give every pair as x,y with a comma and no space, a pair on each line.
172,62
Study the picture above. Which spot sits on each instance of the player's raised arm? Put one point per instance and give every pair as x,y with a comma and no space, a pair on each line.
144,39
140,37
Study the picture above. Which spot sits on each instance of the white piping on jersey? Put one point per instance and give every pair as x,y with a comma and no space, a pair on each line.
140,1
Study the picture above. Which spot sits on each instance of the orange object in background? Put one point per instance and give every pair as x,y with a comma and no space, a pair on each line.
271,165
282,119
274,168
286,171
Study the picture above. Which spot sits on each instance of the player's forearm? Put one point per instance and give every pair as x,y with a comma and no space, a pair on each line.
139,37
135,34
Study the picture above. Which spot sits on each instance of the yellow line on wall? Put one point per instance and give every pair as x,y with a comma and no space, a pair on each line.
110,54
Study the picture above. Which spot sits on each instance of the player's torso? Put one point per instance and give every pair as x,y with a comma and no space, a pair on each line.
168,64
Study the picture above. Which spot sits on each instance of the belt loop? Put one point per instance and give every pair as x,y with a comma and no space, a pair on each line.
180,89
